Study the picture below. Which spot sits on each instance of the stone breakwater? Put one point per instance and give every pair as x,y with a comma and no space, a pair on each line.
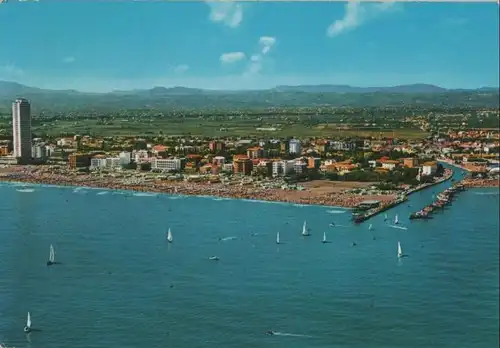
481,182
346,200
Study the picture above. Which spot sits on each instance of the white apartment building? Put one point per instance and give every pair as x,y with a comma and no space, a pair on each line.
113,162
125,158
429,168
294,147
97,162
140,155
169,164
108,162
21,129
39,151
282,168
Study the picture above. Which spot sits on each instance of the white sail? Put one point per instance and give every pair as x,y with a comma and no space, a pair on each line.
28,321
277,238
396,220
370,227
304,229
400,251
169,236
324,236
52,254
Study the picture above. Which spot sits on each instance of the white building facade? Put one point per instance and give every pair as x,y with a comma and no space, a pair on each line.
294,147
21,129
170,164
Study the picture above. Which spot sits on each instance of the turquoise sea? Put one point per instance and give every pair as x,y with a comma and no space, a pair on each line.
121,285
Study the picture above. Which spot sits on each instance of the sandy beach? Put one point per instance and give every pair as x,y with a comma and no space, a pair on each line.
319,192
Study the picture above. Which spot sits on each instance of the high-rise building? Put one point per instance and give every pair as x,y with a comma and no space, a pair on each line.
21,129
294,147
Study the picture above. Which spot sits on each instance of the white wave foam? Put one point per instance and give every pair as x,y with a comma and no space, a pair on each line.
398,227
144,194
102,193
335,211
25,190
227,238
291,334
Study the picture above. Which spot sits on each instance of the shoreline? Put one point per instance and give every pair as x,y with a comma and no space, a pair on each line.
128,190
344,201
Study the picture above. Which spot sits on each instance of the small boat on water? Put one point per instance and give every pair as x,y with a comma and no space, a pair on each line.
214,258
170,239
305,230
277,238
396,220
324,241
52,256
370,227
400,251
27,328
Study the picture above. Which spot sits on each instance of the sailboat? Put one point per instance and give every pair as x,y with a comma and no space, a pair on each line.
324,241
400,251
305,231
396,220
277,238
170,239
52,256
386,217
27,328
370,227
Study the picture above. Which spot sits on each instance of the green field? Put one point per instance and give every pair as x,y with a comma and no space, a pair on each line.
208,128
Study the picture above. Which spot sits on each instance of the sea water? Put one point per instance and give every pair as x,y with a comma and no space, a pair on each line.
120,284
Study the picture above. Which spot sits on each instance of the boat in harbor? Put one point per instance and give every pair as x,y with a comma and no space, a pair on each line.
396,220
420,215
277,238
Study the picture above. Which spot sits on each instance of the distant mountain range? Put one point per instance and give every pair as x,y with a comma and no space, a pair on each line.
304,95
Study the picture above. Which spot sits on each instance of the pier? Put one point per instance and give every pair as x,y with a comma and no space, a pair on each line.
359,217
443,199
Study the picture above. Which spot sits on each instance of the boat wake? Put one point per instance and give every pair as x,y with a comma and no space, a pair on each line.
398,227
224,239
102,193
336,211
487,193
277,333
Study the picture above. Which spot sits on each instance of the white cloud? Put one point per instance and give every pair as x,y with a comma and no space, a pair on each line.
267,42
232,57
257,60
69,59
229,13
355,15
182,68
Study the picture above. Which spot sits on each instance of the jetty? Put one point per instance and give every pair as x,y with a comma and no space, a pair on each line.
442,199
366,210
363,213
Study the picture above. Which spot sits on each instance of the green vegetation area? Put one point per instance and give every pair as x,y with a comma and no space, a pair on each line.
211,128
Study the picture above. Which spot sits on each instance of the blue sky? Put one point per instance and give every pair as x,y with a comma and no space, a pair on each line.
101,46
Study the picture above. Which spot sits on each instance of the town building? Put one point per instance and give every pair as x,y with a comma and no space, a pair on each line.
295,147
21,129
166,164
429,168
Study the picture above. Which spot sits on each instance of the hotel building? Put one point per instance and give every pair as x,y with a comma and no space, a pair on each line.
21,129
